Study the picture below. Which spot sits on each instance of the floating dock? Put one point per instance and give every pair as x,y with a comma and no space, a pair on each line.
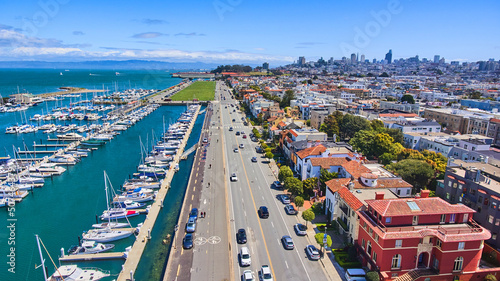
93,257
135,253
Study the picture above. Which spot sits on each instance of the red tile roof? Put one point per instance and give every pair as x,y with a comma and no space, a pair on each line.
334,185
314,150
350,199
355,169
327,162
427,206
294,133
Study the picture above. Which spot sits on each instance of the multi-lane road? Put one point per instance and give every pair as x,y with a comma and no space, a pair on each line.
231,205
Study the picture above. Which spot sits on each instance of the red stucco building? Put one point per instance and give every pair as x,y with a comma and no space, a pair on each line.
422,238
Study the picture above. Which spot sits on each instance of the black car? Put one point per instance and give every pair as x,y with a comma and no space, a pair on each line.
187,242
241,236
237,133
263,212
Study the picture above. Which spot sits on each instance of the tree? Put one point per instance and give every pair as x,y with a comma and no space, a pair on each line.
475,95
325,176
319,239
308,215
408,99
269,155
287,97
396,134
299,201
384,74
416,172
308,122
377,125
285,172
330,126
351,124
372,276
294,186
386,158
362,141
309,185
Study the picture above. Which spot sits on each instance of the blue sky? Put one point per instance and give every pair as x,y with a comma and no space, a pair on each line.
243,31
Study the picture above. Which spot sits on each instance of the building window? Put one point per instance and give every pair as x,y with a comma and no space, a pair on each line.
363,243
388,220
497,222
458,264
480,200
436,264
396,261
399,243
369,248
465,218
493,236
461,245
486,201
370,231
443,218
438,243
447,196
490,219
449,183
407,192
374,257
460,186
394,275
376,237
452,218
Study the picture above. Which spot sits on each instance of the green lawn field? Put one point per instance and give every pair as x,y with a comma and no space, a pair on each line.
201,90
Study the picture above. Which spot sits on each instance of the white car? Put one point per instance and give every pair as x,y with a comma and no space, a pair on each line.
245,259
247,276
234,177
242,145
265,273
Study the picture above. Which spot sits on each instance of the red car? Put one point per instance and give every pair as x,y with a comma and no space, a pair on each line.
244,136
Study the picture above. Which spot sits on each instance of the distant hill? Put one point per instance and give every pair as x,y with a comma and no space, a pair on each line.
110,64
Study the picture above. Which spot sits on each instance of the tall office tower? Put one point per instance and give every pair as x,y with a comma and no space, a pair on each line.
436,58
265,66
362,58
353,58
302,61
388,56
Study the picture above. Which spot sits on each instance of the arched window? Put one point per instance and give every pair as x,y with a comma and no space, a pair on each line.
396,261
458,264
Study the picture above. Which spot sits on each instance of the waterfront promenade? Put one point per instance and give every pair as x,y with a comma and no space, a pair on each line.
209,259
142,238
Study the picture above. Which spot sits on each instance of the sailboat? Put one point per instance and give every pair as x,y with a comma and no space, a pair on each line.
107,233
69,272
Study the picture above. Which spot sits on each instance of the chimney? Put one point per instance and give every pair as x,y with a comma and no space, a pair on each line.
424,193
379,195
309,144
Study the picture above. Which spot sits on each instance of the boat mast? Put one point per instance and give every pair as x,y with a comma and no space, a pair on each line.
41,258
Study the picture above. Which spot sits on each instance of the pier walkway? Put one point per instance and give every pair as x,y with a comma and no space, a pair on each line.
135,253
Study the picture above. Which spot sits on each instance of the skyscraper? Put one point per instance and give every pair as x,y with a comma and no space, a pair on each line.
362,59
265,66
302,61
353,58
436,58
388,56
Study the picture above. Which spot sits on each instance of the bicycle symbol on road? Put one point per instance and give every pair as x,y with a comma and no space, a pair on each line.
202,240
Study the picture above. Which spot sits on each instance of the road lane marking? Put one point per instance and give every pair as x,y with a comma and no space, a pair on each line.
192,196
178,269
286,264
272,224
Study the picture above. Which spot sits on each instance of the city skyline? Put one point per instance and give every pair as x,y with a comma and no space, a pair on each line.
223,31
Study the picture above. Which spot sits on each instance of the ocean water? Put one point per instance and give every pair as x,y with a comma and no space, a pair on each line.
39,81
68,204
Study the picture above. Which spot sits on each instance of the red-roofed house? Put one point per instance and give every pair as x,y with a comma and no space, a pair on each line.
302,157
424,237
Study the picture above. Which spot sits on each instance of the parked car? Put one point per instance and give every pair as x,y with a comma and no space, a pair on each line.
245,259
263,212
300,229
290,210
278,185
236,150
237,133
312,252
285,199
254,159
233,177
247,276
194,213
191,225
205,140
187,241
234,120
355,274
287,242
265,273
241,236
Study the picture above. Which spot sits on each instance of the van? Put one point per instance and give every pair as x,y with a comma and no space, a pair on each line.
355,274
